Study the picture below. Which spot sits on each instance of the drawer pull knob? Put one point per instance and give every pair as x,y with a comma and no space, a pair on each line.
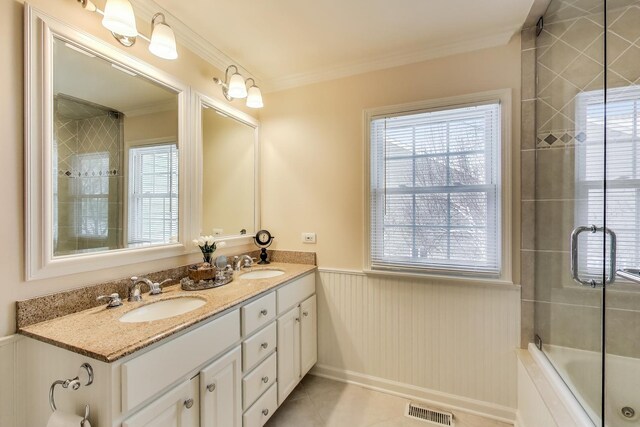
264,312
188,403
265,379
264,345
211,387
305,313
297,319
265,412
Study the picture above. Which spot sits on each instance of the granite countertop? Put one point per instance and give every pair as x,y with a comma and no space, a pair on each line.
97,332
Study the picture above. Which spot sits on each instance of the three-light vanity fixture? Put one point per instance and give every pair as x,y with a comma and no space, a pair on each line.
235,86
118,17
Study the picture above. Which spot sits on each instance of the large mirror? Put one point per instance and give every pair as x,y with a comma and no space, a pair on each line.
228,155
105,147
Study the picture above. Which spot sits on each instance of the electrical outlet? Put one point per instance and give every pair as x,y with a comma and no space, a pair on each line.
309,238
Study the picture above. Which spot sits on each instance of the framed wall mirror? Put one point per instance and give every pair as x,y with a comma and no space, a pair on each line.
106,150
228,157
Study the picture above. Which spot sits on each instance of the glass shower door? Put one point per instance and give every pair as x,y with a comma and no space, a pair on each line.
622,206
570,195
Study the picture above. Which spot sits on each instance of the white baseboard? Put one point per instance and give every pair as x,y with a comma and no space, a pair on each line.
519,422
408,391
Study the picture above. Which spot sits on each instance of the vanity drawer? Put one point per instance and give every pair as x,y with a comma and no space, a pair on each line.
147,374
261,411
258,313
258,347
296,292
259,380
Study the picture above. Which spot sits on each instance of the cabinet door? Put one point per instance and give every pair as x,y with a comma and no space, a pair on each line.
176,408
288,353
308,335
220,394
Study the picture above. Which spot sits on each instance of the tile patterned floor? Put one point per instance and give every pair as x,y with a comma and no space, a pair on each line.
318,402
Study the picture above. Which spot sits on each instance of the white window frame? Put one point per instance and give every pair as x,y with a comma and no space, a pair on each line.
502,96
133,182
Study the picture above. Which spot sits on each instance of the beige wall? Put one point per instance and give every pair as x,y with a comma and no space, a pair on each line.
312,146
189,68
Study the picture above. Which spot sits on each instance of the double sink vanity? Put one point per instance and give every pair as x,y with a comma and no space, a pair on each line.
227,356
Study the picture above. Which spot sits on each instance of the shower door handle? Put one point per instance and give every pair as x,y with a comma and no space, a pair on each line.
611,277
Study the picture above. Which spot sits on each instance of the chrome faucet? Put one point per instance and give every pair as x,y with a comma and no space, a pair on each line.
134,288
243,261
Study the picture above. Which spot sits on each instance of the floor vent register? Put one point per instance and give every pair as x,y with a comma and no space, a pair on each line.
429,416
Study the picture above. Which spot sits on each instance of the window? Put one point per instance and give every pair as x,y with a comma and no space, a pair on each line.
91,190
623,175
153,194
435,195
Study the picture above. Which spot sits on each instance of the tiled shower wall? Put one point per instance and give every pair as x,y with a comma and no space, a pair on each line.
567,59
84,129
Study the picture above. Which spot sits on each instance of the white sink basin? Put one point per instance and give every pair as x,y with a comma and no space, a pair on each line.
162,309
262,274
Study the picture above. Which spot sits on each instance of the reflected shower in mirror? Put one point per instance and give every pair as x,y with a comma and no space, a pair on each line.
114,155
228,174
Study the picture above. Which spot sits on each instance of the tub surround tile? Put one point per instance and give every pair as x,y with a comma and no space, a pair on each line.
83,332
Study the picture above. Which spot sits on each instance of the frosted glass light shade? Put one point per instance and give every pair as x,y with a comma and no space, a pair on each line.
119,18
237,86
163,42
254,97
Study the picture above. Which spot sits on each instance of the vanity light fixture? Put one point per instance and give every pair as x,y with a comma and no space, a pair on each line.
254,96
235,87
118,17
163,41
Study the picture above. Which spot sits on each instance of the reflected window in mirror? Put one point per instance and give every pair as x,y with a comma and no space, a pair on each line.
153,194
112,188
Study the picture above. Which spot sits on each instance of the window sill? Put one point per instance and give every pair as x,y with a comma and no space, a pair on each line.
443,278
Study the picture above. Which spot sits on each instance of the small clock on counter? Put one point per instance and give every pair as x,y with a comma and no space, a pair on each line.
263,240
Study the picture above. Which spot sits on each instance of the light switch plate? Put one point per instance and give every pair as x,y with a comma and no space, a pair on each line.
308,237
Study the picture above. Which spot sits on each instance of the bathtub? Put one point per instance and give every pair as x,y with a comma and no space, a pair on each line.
575,376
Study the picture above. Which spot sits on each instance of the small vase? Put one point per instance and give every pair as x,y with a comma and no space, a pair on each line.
207,257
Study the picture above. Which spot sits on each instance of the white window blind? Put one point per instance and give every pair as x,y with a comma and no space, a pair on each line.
435,190
153,194
622,173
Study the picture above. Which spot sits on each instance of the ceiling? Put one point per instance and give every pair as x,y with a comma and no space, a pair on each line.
286,43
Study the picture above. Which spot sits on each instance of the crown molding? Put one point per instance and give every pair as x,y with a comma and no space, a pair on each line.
390,61
188,38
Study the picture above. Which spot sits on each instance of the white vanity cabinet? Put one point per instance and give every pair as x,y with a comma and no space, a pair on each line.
230,371
297,336
176,408
220,394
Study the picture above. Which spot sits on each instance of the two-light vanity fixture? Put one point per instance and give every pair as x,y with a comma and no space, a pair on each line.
236,87
118,17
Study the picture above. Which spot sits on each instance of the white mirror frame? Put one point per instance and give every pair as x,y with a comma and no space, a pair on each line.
200,100
39,260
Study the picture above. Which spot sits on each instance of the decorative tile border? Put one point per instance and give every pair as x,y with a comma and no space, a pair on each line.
560,139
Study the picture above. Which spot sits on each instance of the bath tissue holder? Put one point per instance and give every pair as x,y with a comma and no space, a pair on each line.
84,378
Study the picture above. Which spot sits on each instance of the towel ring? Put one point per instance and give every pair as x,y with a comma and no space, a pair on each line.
86,372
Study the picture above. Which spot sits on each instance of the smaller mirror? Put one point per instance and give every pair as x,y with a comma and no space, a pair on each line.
229,171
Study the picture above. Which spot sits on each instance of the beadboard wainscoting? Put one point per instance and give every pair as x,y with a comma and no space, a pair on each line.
452,344
8,380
